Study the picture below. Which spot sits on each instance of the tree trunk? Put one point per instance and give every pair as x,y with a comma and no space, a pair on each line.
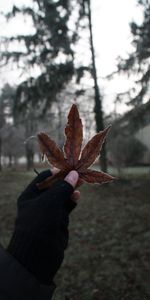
98,100
60,136
29,148
0,153
29,157
10,160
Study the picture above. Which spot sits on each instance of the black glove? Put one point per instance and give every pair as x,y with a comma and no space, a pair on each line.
41,229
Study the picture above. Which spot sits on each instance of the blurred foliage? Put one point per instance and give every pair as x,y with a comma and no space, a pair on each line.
49,47
6,103
132,120
137,62
126,151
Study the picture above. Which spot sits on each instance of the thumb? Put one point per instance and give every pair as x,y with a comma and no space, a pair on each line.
72,178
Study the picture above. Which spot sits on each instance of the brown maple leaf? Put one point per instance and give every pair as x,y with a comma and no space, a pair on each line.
72,158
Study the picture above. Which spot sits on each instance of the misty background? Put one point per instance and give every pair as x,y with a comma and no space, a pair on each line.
96,54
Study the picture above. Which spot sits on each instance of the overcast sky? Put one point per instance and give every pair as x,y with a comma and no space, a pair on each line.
112,38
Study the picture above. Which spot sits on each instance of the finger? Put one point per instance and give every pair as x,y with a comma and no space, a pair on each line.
54,170
75,196
72,178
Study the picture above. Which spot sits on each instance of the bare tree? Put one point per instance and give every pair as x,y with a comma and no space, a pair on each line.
13,144
6,100
98,98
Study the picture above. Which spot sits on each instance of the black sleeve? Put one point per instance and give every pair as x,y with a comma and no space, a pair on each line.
16,283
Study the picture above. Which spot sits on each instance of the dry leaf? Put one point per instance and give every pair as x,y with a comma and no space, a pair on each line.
74,136
73,158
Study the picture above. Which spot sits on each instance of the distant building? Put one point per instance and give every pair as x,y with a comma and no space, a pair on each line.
137,122
143,135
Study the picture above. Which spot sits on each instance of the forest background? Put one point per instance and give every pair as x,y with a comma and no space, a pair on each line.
46,65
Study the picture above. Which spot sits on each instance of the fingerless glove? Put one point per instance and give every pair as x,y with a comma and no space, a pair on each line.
41,228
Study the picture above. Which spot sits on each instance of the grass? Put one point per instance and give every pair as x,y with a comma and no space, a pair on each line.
132,172
108,253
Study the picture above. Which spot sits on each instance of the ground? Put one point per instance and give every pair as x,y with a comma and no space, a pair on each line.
108,257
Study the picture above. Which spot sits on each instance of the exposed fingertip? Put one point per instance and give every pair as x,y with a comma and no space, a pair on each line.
72,178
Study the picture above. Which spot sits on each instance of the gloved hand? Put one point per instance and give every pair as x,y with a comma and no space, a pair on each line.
41,228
